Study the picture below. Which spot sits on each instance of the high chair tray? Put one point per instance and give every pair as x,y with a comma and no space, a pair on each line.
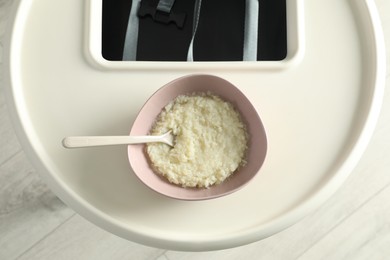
319,105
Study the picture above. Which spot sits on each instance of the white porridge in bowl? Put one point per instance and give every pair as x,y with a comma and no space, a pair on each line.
210,141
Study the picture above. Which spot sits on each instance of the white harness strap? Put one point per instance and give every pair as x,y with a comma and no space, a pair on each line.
131,40
251,30
190,53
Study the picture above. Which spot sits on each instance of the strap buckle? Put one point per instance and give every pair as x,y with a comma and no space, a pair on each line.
162,13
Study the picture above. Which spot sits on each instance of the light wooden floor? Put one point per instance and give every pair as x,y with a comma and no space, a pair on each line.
353,224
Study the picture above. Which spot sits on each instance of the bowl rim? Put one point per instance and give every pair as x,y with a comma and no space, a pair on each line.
202,193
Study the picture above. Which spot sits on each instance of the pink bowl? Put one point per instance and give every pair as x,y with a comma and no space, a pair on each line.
257,146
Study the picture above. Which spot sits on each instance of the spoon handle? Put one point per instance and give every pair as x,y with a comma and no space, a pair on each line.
88,141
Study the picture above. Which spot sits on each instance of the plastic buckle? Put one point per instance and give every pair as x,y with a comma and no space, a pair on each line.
162,13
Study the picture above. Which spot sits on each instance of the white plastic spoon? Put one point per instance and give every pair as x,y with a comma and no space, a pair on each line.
88,141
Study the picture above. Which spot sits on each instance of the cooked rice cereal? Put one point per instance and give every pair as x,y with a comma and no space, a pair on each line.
211,141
